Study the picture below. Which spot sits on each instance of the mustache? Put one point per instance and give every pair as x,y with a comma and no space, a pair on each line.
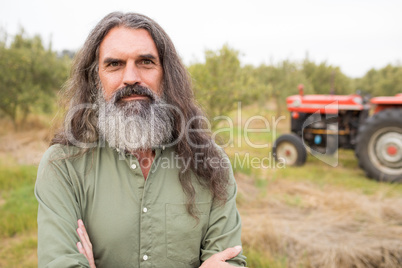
131,90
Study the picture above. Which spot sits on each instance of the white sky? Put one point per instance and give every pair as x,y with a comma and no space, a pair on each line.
356,35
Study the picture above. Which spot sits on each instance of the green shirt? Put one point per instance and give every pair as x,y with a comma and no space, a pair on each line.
132,222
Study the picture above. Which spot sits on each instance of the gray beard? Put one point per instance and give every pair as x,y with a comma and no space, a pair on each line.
135,125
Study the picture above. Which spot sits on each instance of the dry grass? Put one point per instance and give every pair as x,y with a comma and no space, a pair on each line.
320,227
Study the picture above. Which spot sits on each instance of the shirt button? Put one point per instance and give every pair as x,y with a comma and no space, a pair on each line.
145,209
145,257
133,166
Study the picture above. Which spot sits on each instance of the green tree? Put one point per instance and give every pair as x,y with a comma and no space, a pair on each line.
221,81
281,81
327,79
29,76
218,83
383,82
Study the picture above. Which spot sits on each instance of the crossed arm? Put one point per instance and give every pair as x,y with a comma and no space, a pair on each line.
217,260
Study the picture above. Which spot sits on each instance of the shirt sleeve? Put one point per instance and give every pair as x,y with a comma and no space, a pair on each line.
58,213
224,228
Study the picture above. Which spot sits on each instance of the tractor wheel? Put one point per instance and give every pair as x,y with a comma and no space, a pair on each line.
379,146
290,148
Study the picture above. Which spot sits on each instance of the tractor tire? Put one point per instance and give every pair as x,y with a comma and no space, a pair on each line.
379,146
290,148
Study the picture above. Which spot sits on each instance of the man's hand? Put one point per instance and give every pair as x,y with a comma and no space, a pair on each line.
85,246
218,260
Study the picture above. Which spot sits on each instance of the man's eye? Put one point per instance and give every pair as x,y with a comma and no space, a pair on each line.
146,62
114,64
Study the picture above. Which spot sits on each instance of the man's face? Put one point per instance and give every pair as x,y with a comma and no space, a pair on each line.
128,57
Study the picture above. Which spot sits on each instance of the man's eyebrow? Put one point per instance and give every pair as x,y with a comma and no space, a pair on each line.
148,56
110,60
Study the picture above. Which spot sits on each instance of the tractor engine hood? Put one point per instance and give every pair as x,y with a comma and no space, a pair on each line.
325,104
397,99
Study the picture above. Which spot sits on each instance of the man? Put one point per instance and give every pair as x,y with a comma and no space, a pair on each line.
133,174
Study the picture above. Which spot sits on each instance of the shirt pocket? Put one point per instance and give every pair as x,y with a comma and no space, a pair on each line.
184,234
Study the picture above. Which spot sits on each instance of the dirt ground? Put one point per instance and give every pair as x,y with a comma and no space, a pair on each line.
26,148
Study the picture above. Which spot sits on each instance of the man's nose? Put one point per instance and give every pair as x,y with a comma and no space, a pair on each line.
132,75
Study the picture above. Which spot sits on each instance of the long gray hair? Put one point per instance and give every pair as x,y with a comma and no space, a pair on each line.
82,87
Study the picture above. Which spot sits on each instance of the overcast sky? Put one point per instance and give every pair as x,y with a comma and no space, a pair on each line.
356,35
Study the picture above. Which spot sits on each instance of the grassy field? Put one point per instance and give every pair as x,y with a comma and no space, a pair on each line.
310,216
18,209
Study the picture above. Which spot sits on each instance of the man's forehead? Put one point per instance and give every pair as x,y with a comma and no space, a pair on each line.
128,38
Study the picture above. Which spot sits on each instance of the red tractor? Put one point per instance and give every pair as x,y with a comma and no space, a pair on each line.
324,123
